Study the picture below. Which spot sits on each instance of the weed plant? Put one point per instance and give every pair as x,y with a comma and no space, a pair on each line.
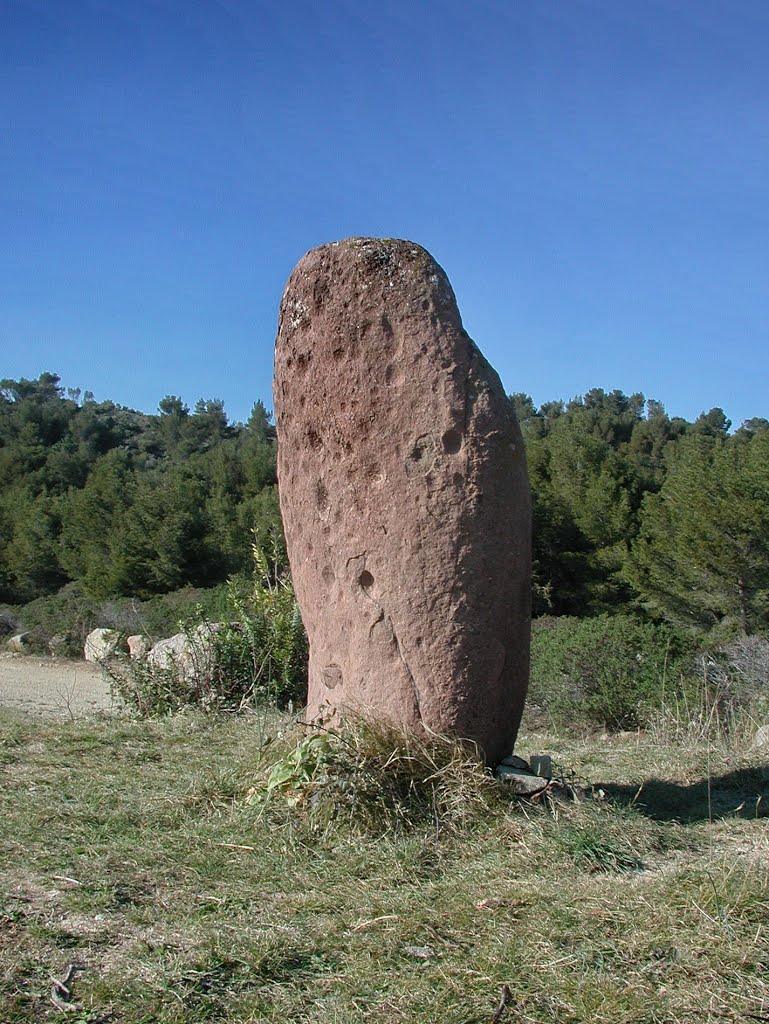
376,777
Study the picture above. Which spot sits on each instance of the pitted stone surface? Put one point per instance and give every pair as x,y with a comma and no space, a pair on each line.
404,496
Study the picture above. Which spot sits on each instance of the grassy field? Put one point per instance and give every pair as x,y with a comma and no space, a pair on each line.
139,871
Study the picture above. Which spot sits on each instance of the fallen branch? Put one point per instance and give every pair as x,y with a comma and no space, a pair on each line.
61,994
504,998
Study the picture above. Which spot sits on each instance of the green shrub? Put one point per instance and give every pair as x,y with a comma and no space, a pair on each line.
160,616
269,646
61,620
610,670
257,657
59,623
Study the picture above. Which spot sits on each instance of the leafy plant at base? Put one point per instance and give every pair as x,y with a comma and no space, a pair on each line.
379,776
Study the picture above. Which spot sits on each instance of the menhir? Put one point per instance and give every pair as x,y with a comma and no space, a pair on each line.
404,495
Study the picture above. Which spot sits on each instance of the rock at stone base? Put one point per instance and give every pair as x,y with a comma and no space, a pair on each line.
102,644
761,739
138,646
521,782
541,765
19,644
404,495
512,761
538,764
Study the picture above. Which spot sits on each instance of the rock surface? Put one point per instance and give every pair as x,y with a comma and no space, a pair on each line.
101,644
189,654
19,643
138,646
521,782
404,496
176,653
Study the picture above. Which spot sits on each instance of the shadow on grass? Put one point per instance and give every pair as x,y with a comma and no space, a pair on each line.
743,793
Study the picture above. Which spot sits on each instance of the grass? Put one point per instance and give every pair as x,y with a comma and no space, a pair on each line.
145,853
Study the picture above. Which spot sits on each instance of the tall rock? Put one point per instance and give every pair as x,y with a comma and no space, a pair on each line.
404,496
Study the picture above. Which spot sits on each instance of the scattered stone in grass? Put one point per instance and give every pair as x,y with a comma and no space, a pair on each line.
497,902
520,780
762,737
419,952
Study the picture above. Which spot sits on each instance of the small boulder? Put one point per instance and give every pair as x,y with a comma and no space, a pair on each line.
761,739
521,781
190,654
19,644
138,646
513,761
173,652
541,765
103,644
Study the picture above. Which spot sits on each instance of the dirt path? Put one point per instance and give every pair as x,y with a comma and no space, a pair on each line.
52,686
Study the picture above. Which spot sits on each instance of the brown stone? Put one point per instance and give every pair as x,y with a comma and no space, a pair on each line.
404,496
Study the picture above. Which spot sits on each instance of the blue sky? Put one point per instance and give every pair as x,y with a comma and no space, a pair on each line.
593,175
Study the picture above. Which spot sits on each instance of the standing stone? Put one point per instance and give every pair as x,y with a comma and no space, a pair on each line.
404,495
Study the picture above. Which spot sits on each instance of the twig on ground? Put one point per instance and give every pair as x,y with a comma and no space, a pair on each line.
61,994
504,998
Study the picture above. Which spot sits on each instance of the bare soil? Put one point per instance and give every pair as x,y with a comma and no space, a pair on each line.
52,686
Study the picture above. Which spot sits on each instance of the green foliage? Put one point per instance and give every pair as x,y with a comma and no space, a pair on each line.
275,643
608,670
122,502
256,658
60,621
590,462
702,556
632,510
589,845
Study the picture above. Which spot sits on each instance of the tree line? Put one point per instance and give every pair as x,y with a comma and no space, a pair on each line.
123,502
632,510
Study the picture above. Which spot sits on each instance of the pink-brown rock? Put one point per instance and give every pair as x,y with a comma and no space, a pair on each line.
404,496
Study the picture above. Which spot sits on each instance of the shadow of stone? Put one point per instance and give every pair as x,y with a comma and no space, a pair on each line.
743,793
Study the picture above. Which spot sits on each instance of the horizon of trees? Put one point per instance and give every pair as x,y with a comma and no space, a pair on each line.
632,510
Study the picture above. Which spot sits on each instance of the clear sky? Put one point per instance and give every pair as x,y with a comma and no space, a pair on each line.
593,175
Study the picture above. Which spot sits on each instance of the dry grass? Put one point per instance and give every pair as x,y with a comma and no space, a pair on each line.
134,849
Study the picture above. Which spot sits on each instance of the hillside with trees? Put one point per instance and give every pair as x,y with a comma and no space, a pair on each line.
125,503
634,511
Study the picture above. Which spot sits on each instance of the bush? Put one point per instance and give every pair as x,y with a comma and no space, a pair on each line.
270,646
62,620
9,621
609,671
739,671
257,658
